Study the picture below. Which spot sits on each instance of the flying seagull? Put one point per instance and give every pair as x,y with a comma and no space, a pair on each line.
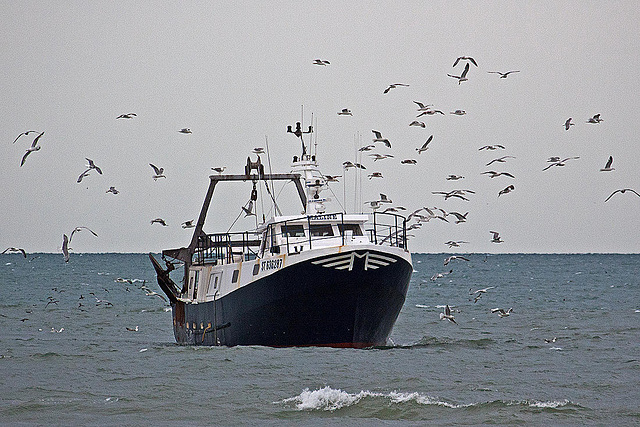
465,58
159,172
377,156
453,257
423,107
113,190
425,145
491,147
24,133
454,177
500,160
623,190
506,190
16,250
126,116
568,124
495,174
560,162
595,119
503,75
393,86
409,161
79,229
219,169
185,130
501,311
34,147
188,224
321,62
345,112
417,123
92,165
458,112
447,311
441,275
496,237
607,167
65,247
375,175
462,77
159,221
379,138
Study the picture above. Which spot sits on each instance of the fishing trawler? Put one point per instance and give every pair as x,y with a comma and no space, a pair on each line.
312,279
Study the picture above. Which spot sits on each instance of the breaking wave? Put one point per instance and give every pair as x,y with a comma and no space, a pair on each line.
330,399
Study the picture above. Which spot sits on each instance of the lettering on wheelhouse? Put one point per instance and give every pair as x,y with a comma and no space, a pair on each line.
323,217
271,264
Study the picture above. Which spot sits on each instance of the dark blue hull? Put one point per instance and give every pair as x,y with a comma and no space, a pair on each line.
305,304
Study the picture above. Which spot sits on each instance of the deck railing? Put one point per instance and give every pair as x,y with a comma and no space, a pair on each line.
282,237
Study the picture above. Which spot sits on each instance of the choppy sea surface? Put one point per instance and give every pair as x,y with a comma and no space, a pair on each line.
568,353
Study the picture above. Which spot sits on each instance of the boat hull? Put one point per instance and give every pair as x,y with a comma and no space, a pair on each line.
317,302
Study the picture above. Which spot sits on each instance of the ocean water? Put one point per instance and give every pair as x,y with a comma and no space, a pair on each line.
69,364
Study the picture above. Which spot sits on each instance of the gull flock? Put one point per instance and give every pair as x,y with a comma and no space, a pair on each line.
379,142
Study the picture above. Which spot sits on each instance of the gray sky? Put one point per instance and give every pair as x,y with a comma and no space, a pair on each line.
235,72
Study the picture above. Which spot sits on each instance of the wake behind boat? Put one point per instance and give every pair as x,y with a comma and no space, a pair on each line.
316,279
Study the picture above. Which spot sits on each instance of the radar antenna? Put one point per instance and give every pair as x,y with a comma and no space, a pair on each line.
298,132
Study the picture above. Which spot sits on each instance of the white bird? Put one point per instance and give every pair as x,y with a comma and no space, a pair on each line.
132,329
425,145
331,178
219,169
495,174
423,107
462,77
368,147
441,275
454,257
457,243
465,58
188,224
417,123
113,190
393,86
185,130
79,229
15,250
430,112
622,191
560,162
158,172
321,62
248,210
82,175
375,175
377,156
595,119
496,237
65,247
447,311
607,167
408,161
458,112
491,147
159,221
459,217
92,165
345,112
480,291
568,124
454,177
126,116
349,165
258,150
506,190
503,75
501,311
384,199
34,147
379,138
24,133
500,160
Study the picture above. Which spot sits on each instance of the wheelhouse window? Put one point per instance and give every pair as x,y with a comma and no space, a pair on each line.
293,230
321,230
354,228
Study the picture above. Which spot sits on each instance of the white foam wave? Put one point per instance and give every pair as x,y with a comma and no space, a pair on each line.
549,404
329,399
